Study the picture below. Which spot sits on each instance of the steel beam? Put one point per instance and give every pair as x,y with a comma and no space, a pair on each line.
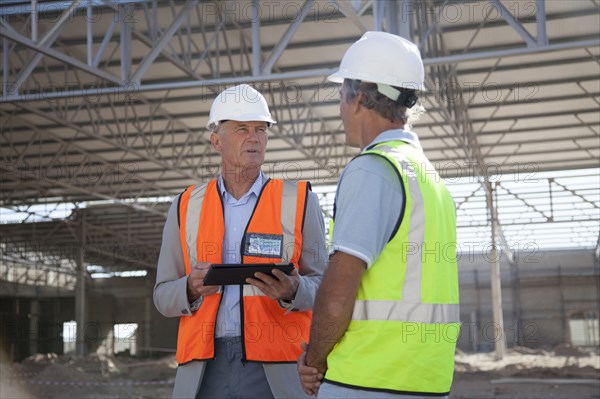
34,21
391,16
105,40
511,52
431,25
169,86
405,21
90,36
256,50
378,12
164,39
179,160
6,24
259,78
351,14
80,290
46,41
125,46
367,4
58,56
5,66
150,148
104,139
208,45
169,57
285,39
48,7
516,25
540,17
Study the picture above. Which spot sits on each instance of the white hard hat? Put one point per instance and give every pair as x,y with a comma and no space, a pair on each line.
385,59
239,103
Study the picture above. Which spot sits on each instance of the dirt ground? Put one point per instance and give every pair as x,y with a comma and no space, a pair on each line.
567,373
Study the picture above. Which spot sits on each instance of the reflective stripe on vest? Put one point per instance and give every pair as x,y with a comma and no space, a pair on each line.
412,312
268,336
405,321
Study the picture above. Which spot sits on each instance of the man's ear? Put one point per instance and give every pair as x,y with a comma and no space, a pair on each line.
216,142
357,102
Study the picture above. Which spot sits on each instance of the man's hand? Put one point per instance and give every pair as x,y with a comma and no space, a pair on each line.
310,377
195,284
281,287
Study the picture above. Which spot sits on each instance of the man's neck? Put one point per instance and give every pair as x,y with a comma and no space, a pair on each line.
239,184
374,127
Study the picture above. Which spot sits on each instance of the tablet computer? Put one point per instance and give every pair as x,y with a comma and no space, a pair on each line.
236,274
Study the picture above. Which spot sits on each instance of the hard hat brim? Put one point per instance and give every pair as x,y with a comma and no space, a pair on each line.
336,77
242,118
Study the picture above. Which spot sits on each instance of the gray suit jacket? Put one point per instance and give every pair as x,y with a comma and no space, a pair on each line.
170,297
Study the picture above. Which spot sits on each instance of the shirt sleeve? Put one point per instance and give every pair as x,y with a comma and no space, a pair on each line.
369,201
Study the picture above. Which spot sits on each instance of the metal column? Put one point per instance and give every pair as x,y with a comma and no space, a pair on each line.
255,38
34,329
80,302
499,336
148,305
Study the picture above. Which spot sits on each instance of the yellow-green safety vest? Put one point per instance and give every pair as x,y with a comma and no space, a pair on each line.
405,321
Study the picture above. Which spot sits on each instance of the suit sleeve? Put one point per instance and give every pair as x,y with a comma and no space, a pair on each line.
313,259
170,290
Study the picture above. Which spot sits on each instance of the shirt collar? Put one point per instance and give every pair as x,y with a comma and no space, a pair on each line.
254,189
397,134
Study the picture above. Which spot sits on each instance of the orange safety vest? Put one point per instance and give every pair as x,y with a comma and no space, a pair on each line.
268,334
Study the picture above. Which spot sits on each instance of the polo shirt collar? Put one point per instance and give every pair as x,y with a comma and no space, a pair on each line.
395,135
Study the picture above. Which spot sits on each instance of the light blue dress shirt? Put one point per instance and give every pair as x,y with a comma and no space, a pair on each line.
237,213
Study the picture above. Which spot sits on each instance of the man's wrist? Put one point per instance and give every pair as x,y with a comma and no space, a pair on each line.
195,305
313,360
191,296
296,280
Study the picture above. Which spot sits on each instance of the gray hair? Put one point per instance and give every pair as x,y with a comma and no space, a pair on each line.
374,100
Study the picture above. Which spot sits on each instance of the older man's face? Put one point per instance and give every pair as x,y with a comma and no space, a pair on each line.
241,144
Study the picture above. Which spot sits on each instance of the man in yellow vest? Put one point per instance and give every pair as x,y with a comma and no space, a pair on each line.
386,317
240,341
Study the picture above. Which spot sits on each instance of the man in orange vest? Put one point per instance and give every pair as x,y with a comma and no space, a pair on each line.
241,341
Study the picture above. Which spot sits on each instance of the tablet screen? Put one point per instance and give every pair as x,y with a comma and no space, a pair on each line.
236,274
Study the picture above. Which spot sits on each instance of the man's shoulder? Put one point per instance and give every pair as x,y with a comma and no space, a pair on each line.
367,166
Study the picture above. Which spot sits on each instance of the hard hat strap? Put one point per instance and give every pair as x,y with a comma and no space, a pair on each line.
408,99
388,91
